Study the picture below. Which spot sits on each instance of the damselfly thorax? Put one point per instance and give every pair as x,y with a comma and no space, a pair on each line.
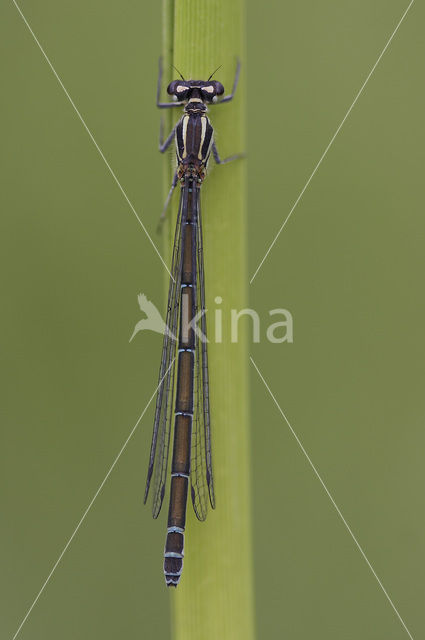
194,139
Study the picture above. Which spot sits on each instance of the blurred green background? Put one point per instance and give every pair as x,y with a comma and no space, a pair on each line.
349,266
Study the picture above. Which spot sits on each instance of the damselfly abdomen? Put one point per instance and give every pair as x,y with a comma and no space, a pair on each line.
183,388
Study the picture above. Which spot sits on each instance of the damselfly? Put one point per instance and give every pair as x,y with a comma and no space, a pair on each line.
183,388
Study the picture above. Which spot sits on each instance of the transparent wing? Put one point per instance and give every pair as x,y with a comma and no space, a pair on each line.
201,464
158,459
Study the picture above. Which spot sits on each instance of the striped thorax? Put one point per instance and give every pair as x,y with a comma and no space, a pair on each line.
194,138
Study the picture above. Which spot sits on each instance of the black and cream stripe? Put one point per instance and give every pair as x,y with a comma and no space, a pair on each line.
194,137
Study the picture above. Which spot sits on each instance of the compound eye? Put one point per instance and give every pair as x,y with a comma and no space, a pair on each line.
177,89
219,89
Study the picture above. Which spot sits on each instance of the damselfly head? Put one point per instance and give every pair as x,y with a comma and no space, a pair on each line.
185,90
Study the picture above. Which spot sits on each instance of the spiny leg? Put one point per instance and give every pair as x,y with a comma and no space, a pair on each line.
159,104
167,202
235,84
218,160
163,146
